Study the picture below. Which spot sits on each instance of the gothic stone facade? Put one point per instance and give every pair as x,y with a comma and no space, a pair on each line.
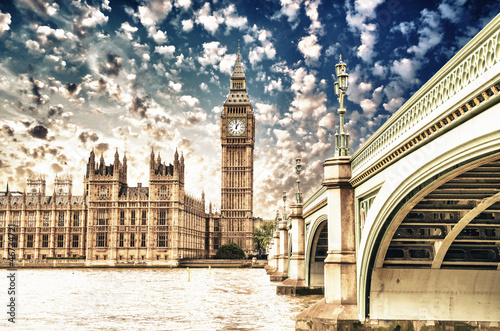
112,222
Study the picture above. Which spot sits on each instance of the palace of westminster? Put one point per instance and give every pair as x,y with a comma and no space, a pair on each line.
114,223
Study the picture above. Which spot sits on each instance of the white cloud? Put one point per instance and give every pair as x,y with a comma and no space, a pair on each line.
231,18
151,14
266,114
266,50
430,33
358,89
187,25
368,40
209,22
46,34
368,106
204,86
333,50
357,17
227,63
289,8
175,86
406,68
404,27
274,85
128,30
452,11
159,37
214,54
217,109
5,20
310,48
188,100
379,69
167,51
393,104
93,17
312,12
34,47
308,104
184,4
328,121
248,39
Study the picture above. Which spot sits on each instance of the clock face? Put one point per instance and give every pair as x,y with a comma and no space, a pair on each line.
236,127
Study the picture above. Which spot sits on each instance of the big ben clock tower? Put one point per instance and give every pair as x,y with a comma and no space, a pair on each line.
237,139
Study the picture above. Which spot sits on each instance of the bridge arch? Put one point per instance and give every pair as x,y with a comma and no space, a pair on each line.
315,269
407,183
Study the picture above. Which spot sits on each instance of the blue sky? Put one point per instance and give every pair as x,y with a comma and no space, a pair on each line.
136,75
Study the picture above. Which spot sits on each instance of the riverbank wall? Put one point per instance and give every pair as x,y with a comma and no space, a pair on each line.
77,263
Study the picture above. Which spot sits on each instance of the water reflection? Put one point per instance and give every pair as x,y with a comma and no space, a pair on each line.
154,299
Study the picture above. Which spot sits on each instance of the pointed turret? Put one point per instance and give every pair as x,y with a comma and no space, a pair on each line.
91,164
238,91
176,162
116,163
124,168
238,73
152,160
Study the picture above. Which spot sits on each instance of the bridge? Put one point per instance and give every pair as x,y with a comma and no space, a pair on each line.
408,227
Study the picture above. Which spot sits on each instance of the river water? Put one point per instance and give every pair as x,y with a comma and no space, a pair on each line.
149,299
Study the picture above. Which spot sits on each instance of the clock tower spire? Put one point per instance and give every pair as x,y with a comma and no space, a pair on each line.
237,140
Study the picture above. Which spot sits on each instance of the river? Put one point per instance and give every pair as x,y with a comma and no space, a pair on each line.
150,299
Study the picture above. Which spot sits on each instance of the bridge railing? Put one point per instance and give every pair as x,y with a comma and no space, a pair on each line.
474,66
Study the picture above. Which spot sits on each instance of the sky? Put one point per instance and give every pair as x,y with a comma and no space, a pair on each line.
142,75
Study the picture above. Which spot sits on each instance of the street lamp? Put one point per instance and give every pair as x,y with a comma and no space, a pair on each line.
298,167
284,206
342,138
277,217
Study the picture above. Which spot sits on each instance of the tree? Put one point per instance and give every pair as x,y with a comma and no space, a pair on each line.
230,251
263,235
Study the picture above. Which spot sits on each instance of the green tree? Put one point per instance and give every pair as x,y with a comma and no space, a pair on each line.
230,251
263,235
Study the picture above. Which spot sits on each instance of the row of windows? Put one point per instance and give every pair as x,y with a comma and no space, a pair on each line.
13,241
16,219
121,257
102,239
133,217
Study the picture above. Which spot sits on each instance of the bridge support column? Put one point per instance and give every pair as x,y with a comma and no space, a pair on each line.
340,303
283,256
295,284
275,274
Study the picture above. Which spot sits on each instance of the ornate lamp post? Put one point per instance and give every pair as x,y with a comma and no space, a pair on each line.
277,217
298,167
284,206
342,138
